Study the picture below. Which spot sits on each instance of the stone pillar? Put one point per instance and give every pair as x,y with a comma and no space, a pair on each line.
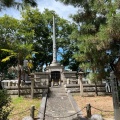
80,76
68,81
78,81
52,83
115,96
59,82
54,43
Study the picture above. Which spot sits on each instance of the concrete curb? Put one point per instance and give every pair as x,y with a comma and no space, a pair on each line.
75,106
41,113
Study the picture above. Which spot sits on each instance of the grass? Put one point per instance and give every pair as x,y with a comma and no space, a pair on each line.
21,107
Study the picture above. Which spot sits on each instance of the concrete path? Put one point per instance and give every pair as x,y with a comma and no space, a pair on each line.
59,106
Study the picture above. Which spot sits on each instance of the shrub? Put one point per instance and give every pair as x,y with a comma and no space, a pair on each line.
5,105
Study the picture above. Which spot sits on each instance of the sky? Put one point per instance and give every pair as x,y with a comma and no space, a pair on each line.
61,9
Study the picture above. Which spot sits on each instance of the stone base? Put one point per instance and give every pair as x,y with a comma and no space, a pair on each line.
55,64
54,67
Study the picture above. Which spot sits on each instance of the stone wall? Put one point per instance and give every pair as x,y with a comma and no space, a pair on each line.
70,77
41,78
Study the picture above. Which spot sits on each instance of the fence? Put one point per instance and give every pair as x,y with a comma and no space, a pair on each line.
32,110
89,113
87,88
34,86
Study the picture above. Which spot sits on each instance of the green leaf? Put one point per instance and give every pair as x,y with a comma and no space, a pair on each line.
7,58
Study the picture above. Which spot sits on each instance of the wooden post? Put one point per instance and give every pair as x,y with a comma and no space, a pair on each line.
88,110
32,88
32,112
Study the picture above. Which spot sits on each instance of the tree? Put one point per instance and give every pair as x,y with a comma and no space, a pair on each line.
18,44
94,32
8,28
13,3
4,98
66,43
41,24
20,52
98,33
113,42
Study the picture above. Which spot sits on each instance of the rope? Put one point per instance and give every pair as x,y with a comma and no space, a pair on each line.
64,116
61,116
101,109
20,112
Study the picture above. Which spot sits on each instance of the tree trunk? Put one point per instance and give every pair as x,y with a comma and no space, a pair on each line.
19,81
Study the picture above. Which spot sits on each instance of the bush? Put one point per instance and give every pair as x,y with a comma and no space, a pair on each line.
5,105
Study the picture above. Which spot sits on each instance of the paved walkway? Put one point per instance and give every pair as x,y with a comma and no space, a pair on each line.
58,105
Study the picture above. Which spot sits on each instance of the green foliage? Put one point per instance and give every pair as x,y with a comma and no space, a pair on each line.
42,24
93,77
113,25
7,31
21,38
96,77
98,31
20,51
17,4
11,75
8,27
5,102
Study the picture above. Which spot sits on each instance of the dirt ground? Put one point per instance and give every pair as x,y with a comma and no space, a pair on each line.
104,103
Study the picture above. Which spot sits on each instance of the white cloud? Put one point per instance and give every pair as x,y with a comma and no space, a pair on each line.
59,8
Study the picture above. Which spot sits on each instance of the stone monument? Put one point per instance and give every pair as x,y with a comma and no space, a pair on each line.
55,68
54,62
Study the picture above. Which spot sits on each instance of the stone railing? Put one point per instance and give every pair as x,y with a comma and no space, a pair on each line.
87,88
70,77
36,85
41,78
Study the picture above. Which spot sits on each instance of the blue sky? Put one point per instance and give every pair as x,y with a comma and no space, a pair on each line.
62,10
